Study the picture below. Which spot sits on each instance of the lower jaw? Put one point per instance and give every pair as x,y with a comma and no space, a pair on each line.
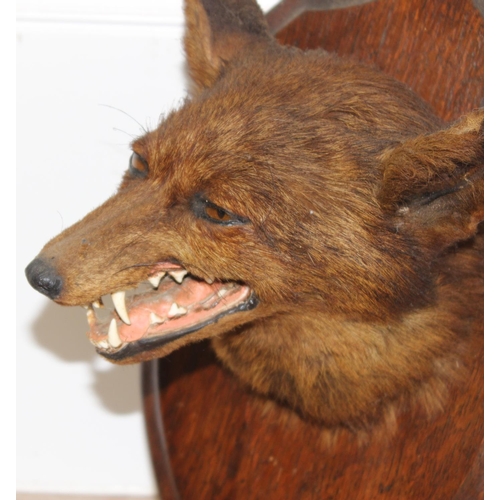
138,348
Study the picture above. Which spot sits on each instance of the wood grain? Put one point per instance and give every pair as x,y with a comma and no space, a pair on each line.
436,47
225,443
286,11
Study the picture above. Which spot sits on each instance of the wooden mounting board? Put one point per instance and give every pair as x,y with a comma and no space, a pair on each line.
209,438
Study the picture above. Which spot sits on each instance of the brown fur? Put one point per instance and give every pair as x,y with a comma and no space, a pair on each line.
362,244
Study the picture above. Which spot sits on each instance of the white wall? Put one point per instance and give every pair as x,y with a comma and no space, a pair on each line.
89,74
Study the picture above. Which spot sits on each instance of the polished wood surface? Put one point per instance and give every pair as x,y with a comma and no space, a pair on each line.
212,439
436,47
152,391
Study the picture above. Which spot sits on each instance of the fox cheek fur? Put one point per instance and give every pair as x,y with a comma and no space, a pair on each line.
309,214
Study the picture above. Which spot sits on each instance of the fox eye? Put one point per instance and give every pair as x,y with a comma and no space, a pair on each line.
207,210
217,214
137,166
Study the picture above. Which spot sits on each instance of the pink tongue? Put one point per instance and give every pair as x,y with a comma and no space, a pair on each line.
189,297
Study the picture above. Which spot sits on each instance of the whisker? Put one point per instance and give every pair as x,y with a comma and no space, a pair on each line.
115,129
62,219
126,114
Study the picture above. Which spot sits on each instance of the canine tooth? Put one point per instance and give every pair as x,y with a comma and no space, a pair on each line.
154,319
175,310
155,280
113,337
178,276
119,303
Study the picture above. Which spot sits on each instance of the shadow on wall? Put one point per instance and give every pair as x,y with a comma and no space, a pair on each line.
62,331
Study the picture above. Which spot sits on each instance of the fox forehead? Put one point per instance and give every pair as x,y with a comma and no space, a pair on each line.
309,107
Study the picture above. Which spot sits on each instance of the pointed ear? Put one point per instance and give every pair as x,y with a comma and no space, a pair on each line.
433,185
217,31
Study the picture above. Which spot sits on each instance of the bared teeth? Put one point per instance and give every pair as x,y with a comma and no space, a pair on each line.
210,281
91,319
154,319
113,337
223,292
103,344
155,280
178,276
98,304
176,311
119,303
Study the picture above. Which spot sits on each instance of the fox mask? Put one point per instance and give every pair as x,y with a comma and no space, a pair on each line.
305,212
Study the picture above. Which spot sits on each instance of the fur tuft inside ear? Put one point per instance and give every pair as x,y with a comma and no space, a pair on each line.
434,184
217,31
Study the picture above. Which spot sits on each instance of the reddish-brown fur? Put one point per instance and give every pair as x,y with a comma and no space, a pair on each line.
362,244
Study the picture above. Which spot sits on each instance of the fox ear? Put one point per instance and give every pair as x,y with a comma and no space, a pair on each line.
218,31
433,185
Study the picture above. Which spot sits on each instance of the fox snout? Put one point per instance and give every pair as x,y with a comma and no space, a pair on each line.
44,278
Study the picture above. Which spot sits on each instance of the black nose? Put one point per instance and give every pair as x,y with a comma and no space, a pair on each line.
43,278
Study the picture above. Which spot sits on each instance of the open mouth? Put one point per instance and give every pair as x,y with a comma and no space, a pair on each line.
168,306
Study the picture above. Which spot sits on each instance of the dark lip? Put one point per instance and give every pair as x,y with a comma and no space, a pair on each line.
146,344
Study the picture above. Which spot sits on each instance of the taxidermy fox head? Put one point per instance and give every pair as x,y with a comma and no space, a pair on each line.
309,214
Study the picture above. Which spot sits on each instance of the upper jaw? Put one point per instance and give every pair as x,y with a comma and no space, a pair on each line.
169,305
